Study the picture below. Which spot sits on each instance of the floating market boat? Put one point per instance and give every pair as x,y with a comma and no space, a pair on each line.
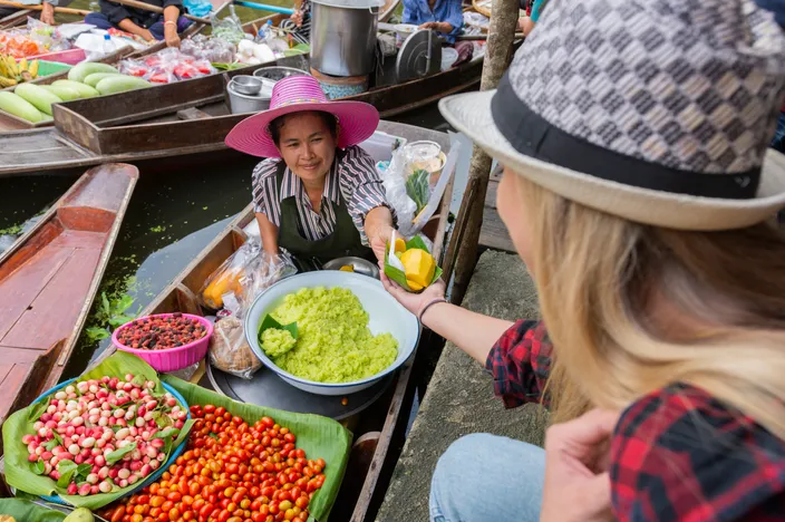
377,419
49,277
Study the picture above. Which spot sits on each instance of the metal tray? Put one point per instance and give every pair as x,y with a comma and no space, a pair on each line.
267,389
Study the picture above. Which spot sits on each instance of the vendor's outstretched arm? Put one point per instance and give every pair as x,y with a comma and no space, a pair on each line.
269,234
378,228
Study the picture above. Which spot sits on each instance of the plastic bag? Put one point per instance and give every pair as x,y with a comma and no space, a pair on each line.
46,36
228,29
167,66
213,50
234,286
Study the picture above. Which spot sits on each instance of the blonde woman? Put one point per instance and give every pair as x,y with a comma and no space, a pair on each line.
640,193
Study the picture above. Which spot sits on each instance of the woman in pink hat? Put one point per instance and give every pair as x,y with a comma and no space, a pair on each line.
317,194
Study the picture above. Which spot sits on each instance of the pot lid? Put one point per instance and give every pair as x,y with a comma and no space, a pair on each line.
351,4
413,56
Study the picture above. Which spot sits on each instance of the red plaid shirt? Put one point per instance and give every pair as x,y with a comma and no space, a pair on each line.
677,454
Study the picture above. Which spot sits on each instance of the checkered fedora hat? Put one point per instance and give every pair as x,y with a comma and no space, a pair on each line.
660,112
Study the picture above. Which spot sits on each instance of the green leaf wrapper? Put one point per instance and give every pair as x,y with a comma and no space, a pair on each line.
23,510
320,437
398,275
20,473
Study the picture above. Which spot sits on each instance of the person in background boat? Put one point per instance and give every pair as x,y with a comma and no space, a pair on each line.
659,272
527,23
146,24
301,18
442,16
318,194
47,13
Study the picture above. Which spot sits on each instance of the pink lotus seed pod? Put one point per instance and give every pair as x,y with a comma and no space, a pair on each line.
93,388
78,421
106,413
100,460
133,479
92,478
103,472
135,393
179,424
51,425
88,442
154,464
100,443
136,465
27,439
47,455
52,409
157,443
103,421
146,459
84,490
39,450
32,457
96,451
161,457
54,461
127,387
65,456
150,385
82,387
72,489
129,377
55,474
105,487
123,483
151,452
133,431
142,411
94,489
73,449
113,473
106,406
46,417
38,425
151,405
79,459
93,419
70,430
121,422
124,473
171,402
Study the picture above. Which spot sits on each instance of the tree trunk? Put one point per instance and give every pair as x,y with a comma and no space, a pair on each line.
462,254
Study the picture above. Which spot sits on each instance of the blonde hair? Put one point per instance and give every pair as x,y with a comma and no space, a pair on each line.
597,276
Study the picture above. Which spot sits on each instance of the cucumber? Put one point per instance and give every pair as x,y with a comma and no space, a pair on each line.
38,96
65,93
18,106
113,84
85,91
81,71
93,79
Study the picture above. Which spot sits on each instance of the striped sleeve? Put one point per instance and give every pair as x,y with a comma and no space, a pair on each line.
361,187
265,191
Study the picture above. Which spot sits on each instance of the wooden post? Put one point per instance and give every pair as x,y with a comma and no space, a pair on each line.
462,254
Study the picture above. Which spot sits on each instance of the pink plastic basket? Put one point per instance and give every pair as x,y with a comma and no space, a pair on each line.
171,359
71,56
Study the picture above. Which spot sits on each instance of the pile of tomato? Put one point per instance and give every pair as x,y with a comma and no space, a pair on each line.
231,472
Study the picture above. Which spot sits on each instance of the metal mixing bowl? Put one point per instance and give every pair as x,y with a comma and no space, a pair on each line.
361,266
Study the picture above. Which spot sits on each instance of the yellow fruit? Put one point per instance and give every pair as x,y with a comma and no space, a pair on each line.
400,245
7,82
419,266
34,69
414,287
22,64
228,281
347,268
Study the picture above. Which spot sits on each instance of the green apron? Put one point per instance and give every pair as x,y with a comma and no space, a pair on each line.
311,255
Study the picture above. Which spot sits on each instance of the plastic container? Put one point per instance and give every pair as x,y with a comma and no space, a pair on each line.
46,68
449,57
171,359
150,478
71,56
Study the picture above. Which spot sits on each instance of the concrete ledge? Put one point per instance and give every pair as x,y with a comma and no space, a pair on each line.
460,396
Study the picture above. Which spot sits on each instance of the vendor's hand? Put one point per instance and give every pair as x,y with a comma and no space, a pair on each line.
412,302
378,240
171,36
48,14
441,27
577,486
297,18
147,35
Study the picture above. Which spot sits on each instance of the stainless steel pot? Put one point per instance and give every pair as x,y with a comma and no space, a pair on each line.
343,36
240,103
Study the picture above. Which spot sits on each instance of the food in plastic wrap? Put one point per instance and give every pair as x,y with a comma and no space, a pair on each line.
214,50
228,29
167,66
230,352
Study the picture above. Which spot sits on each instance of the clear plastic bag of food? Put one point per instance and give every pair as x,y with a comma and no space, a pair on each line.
213,50
394,183
229,350
228,29
242,277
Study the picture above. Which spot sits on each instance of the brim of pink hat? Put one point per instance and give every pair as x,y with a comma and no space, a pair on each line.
357,121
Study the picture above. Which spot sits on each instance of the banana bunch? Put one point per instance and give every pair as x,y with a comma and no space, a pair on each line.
12,73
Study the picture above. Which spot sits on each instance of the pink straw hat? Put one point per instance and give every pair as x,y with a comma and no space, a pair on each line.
356,120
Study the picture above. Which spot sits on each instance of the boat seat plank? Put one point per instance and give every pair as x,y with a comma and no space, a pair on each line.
36,148
52,314
17,292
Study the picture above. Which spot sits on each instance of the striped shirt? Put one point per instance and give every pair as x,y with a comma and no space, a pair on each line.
353,178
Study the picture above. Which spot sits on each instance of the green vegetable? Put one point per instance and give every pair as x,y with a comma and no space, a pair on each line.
81,71
63,92
93,79
38,96
418,188
85,91
80,515
113,84
18,106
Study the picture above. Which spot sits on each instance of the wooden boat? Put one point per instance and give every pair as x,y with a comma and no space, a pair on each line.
178,119
49,277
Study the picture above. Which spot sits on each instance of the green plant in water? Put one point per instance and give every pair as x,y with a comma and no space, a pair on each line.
111,313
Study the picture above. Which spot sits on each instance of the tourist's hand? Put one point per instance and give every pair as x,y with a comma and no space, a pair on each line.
577,487
413,302
171,36
297,18
441,27
48,14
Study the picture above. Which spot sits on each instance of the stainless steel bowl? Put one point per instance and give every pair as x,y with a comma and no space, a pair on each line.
361,266
245,84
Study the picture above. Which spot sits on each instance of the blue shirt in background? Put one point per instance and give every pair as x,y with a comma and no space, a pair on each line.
537,6
418,12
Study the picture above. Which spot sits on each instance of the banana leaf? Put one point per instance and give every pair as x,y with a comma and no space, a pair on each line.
21,474
320,437
398,275
418,188
24,511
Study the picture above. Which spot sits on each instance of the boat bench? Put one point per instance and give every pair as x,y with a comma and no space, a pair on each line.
459,399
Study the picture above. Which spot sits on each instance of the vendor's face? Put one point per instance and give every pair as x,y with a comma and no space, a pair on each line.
307,146
510,207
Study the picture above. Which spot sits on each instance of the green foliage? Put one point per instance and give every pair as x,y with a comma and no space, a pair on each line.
418,188
112,311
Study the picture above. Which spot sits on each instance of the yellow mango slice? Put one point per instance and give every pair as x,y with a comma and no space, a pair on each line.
347,268
419,266
400,245
414,287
